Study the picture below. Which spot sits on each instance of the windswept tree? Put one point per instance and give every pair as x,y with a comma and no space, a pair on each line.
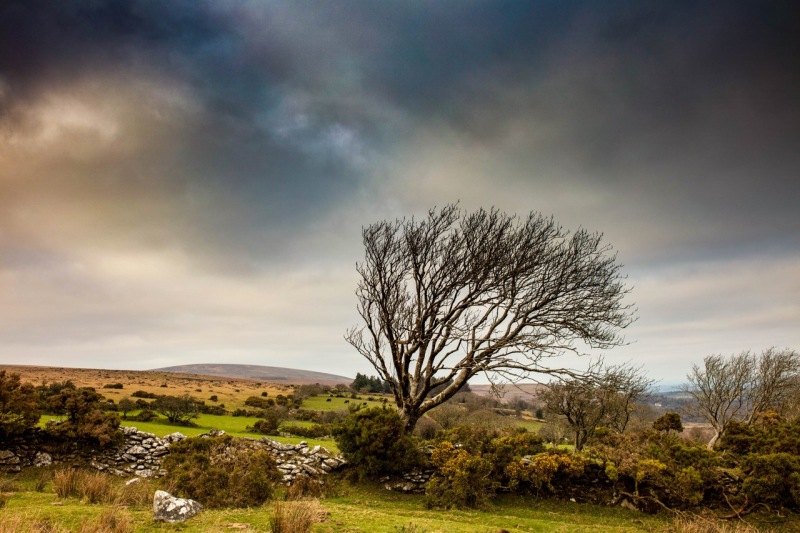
457,294
742,386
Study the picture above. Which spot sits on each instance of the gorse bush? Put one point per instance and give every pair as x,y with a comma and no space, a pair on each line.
540,472
462,479
222,471
19,409
658,464
374,443
500,447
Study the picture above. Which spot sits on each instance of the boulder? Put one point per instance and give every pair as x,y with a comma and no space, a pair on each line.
42,459
168,508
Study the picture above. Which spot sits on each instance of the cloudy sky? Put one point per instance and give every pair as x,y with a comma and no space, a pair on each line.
186,181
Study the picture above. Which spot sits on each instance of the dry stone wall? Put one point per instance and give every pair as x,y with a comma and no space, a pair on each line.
141,454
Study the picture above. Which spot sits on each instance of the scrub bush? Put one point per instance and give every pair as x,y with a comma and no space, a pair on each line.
374,443
462,479
221,471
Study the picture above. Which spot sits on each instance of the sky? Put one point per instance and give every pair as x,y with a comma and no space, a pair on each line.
186,181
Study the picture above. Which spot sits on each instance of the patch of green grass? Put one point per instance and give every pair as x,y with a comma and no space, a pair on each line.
531,425
321,403
373,509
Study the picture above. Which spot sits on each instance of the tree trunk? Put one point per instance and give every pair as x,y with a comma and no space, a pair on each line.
409,420
713,442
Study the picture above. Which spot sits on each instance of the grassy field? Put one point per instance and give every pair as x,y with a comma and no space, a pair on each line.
231,392
323,402
367,508
349,509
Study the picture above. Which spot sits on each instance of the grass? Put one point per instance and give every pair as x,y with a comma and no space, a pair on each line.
363,508
233,425
321,403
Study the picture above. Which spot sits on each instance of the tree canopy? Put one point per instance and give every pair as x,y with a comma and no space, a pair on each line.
456,294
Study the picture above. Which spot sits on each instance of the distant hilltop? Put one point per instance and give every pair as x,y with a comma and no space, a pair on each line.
274,374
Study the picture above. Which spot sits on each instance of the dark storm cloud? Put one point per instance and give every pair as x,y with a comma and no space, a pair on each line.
180,173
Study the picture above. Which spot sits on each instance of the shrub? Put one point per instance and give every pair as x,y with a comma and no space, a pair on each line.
263,427
675,471
144,394
85,421
222,471
773,479
19,408
426,428
259,403
113,386
145,415
374,443
539,472
499,446
462,479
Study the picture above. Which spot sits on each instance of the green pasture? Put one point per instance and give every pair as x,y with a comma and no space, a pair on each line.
323,402
233,425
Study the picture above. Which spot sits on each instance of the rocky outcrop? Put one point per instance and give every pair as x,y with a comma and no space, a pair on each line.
168,508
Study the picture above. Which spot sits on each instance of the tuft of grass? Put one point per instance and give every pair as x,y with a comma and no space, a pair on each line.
9,485
40,483
139,493
294,517
699,524
66,483
97,488
93,487
111,520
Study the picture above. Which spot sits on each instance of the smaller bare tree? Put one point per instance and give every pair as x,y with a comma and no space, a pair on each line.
741,386
605,398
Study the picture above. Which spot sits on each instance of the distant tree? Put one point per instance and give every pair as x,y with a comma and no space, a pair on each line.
178,409
126,405
19,409
368,384
669,422
454,295
741,386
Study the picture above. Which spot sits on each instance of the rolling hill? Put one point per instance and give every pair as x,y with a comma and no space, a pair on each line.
271,374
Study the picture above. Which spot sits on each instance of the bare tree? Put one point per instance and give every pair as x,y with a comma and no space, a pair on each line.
741,386
606,397
457,294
